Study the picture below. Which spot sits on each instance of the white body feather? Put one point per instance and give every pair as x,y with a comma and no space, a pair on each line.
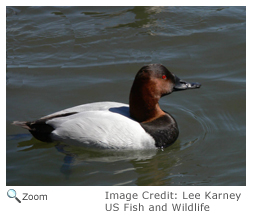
102,124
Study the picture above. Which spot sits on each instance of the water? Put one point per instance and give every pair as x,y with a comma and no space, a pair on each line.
59,57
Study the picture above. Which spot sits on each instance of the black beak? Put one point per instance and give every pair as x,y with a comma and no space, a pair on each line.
183,85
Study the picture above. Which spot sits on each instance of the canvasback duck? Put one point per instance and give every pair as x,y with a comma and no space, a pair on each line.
140,125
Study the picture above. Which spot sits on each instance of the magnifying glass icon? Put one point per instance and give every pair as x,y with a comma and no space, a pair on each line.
12,193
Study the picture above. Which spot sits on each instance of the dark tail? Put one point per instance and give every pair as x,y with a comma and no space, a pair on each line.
39,129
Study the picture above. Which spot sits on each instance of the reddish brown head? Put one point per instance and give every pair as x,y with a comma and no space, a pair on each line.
151,83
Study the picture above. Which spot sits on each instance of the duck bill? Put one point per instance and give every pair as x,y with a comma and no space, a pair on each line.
183,85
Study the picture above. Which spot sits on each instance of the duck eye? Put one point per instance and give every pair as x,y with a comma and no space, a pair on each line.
164,77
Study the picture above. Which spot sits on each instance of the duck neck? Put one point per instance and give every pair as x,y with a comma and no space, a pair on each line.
143,102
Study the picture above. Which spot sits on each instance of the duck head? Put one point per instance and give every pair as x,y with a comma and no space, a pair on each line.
151,83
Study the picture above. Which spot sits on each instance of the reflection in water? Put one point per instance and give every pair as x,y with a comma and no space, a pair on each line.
142,17
156,172
27,143
67,161
146,163
81,154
